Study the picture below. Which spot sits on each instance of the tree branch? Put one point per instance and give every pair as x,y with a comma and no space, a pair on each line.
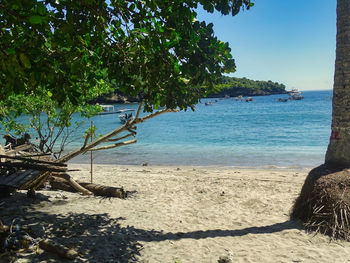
121,138
109,135
114,145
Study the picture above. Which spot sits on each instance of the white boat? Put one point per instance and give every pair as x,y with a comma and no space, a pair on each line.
107,109
126,116
295,94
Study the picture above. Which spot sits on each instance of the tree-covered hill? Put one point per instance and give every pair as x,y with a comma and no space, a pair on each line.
231,86
228,86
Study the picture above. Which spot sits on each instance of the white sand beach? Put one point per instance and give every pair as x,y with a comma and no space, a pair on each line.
178,214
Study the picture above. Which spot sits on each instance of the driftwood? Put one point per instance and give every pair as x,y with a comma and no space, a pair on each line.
67,178
19,148
59,165
38,167
121,138
108,191
114,145
62,251
30,160
45,244
100,190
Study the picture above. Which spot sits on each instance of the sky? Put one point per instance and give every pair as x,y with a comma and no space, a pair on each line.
286,41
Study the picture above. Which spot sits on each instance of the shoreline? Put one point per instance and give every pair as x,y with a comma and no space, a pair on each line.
177,214
209,166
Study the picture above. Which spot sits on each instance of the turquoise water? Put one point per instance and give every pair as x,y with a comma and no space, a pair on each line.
261,133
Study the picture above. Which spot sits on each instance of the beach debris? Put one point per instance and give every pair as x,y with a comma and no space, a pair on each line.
15,240
29,172
11,141
78,187
61,250
227,258
59,183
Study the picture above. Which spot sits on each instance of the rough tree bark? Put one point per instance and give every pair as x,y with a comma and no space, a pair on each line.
338,152
324,201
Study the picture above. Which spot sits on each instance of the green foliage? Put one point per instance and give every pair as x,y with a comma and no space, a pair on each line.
154,48
50,120
242,86
56,55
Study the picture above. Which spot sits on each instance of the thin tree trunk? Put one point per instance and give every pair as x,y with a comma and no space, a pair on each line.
338,152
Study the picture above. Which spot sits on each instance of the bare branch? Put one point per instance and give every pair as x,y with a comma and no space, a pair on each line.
90,145
150,116
132,132
139,110
125,127
114,145
87,137
121,138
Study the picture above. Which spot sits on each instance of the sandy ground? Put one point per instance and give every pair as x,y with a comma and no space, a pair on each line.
177,214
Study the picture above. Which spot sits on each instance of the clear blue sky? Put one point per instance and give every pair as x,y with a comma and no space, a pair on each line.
287,41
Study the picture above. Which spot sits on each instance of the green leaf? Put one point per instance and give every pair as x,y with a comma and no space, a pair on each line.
10,51
25,61
35,19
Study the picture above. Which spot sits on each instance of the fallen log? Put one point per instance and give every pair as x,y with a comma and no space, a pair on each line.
100,190
62,251
108,191
67,178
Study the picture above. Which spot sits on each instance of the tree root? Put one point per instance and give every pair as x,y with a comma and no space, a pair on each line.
324,202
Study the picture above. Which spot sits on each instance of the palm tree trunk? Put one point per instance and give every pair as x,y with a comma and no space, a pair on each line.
338,152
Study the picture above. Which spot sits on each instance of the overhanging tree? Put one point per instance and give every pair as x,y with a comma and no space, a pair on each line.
77,50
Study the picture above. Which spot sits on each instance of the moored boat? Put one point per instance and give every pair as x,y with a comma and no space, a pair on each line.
107,109
295,94
126,116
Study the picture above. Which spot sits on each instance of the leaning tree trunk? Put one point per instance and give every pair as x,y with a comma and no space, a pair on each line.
338,152
324,202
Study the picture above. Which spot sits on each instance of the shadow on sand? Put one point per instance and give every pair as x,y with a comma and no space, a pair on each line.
100,238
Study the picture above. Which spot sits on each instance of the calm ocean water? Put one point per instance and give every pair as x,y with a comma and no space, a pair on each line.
261,133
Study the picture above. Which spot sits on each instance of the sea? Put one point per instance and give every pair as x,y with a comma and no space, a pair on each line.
263,133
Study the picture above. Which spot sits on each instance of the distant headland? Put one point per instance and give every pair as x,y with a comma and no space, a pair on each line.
228,87
233,87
